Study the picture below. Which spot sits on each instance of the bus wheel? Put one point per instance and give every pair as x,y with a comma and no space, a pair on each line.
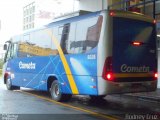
10,86
56,93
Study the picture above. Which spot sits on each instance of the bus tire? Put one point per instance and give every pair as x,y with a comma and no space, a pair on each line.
9,83
56,94
10,86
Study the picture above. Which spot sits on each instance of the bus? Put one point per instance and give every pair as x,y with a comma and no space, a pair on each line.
95,54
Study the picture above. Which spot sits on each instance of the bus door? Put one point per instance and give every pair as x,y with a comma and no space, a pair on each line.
9,63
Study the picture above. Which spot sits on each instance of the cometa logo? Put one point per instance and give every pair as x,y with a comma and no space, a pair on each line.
125,68
30,65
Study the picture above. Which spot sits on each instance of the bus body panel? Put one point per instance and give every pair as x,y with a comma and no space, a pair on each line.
33,72
32,69
125,87
119,47
104,50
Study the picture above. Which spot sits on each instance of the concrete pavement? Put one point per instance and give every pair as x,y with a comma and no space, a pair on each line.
16,105
153,96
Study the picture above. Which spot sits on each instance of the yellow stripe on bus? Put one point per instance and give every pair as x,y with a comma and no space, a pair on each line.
65,64
124,75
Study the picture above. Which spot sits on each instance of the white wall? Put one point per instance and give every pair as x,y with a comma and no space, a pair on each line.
93,5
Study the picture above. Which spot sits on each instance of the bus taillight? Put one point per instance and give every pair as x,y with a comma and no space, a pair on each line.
135,43
112,13
156,75
154,21
107,69
109,76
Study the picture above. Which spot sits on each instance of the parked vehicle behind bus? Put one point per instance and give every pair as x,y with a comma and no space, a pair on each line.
95,54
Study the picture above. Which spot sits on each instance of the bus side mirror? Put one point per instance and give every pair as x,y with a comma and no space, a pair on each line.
5,47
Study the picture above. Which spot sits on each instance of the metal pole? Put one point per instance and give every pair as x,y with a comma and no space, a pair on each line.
102,5
144,7
126,5
154,9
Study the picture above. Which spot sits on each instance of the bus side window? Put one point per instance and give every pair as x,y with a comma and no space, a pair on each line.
87,36
14,50
8,54
64,37
93,34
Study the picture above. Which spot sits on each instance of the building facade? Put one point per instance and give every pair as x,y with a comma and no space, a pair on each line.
29,16
39,12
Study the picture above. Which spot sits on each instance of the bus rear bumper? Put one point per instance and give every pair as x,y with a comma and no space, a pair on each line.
126,87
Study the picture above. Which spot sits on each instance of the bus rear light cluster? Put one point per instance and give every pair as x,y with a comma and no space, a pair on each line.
156,75
107,69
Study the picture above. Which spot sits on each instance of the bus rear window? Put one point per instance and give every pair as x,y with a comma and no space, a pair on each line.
130,30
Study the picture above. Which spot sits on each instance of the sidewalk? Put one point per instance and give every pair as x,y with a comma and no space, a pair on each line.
152,96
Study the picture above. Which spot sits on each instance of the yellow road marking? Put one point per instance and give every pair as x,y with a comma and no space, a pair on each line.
65,64
73,107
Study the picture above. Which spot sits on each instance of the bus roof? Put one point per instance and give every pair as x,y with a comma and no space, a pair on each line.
132,15
93,14
67,20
